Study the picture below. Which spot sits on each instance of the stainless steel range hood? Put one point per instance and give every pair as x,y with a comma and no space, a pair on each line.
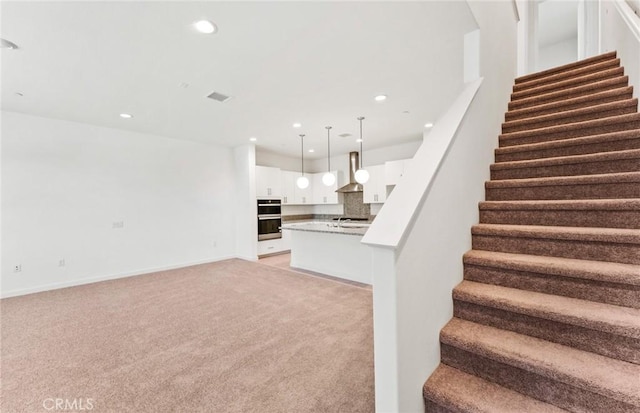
352,186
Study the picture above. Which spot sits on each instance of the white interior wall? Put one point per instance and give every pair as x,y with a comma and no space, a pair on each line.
558,54
620,31
65,184
245,205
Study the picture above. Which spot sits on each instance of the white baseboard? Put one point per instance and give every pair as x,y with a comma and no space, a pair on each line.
82,281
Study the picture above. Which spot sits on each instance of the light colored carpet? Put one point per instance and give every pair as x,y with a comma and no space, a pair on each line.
231,336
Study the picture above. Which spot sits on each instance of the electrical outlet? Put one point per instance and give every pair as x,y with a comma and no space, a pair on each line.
17,268
118,224
61,263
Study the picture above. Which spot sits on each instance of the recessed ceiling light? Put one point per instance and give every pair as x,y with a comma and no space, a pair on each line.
126,116
205,26
358,140
253,139
297,125
428,125
380,98
311,150
6,44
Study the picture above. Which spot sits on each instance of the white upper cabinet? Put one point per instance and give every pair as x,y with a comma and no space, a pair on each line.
323,194
394,170
291,194
268,182
289,187
304,196
375,190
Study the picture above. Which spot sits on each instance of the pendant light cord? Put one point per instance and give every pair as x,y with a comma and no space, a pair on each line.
328,149
361,118
302,153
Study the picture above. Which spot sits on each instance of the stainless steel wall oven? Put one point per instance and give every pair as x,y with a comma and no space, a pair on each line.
269,219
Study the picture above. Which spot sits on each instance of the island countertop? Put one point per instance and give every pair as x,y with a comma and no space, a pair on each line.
345,228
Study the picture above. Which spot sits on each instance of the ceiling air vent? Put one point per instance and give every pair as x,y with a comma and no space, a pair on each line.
344,135
219,97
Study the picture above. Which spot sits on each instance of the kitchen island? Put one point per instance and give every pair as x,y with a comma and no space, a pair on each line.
326,248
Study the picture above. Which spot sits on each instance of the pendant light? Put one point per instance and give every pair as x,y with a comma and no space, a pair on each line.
303,181
362,175
328,178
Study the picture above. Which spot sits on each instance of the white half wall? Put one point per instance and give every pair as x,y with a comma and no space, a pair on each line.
108,202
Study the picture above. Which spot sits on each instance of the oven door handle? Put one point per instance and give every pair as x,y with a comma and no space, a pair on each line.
264,217
269,205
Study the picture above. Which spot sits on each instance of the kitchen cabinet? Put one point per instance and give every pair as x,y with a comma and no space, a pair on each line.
288,179
323,194
291,194
268,182
375,190
304,196
394,170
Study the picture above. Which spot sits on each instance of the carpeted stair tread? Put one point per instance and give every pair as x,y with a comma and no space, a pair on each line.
613,95
596,163
572,130
608,318
625,177
568,83
615,235
458,391
622,140
610,213
612,272
568,74
629,204
597,111
569,93
602,375
605,244
566,68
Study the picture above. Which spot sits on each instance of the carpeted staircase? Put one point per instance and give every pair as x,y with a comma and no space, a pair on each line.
547,318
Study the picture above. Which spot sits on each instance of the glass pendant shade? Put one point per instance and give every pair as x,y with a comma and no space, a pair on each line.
302,182
328,179
362,176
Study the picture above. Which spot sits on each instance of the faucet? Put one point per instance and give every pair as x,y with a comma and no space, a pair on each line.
340,220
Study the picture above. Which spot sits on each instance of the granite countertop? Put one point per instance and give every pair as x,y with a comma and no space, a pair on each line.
347,228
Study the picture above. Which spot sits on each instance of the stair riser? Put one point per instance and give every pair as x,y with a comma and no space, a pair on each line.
584,102
599,342
510,127
614,145
602,292
537,136
582,250
615,83
540,76
563,218
565,192
570,83
584,168
555,392
566,75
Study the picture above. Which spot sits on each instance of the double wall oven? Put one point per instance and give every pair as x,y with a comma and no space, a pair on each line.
269,219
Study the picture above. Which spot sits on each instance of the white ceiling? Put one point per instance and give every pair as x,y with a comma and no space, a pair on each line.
318,63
